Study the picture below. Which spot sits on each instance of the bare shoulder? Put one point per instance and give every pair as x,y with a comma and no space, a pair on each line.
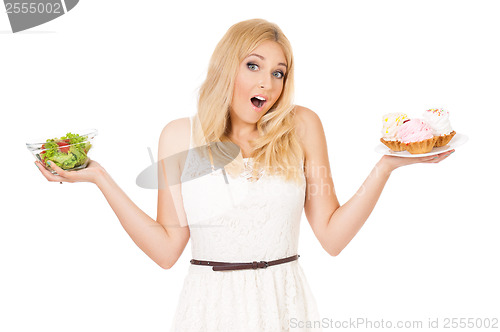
175,137
177,124
307,122
304,116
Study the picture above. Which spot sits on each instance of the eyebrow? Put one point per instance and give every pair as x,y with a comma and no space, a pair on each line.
262,58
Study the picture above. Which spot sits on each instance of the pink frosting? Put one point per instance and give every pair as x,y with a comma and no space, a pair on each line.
414,130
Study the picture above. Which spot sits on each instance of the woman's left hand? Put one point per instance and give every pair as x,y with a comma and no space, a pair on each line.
393,162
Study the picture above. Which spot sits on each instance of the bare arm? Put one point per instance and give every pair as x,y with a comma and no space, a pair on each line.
348,219
147,233
335,225
162,240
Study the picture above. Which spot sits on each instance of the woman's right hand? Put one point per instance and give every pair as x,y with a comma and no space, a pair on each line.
89,174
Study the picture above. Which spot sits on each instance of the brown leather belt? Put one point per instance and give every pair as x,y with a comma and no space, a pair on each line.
224,266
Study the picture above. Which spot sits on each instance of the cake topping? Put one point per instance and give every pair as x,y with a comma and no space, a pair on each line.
439,120
438,111
390,124
414,130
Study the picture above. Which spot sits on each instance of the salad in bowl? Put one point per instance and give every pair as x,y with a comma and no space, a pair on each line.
69,152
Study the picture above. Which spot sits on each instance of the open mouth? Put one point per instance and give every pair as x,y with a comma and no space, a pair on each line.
258,101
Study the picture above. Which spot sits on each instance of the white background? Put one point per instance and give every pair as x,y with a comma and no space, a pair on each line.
431,247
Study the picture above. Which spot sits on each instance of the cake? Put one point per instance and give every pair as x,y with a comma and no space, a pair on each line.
390,125
416,136
439,121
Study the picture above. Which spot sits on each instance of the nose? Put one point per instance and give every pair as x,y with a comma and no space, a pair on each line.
265,82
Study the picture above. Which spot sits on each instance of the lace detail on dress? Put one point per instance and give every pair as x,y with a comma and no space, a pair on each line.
247,172
196,165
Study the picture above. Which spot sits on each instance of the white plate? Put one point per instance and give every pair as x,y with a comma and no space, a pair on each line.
455,142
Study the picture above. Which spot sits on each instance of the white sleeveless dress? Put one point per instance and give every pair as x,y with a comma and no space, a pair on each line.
243,221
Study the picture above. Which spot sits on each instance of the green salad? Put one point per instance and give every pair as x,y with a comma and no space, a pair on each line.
68,152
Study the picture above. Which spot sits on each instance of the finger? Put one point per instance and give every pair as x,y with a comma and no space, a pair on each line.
425,159
440,157
62,173
48,175
448,153
444,156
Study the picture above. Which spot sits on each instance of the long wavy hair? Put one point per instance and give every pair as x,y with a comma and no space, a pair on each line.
277,148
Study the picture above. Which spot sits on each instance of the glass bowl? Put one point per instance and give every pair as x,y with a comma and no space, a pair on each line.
69,152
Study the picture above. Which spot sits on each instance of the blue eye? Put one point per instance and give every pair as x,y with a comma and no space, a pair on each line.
252,65
278,74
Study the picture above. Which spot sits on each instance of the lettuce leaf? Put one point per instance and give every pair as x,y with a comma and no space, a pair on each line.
76,156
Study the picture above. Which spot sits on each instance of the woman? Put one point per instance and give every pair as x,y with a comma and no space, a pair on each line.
245,274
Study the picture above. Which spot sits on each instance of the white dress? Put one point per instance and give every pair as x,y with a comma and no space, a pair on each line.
244,221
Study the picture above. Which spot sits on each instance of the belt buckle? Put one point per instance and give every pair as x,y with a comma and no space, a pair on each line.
265,266
255,265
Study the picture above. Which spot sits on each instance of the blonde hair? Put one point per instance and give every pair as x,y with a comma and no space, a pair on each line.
277,148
